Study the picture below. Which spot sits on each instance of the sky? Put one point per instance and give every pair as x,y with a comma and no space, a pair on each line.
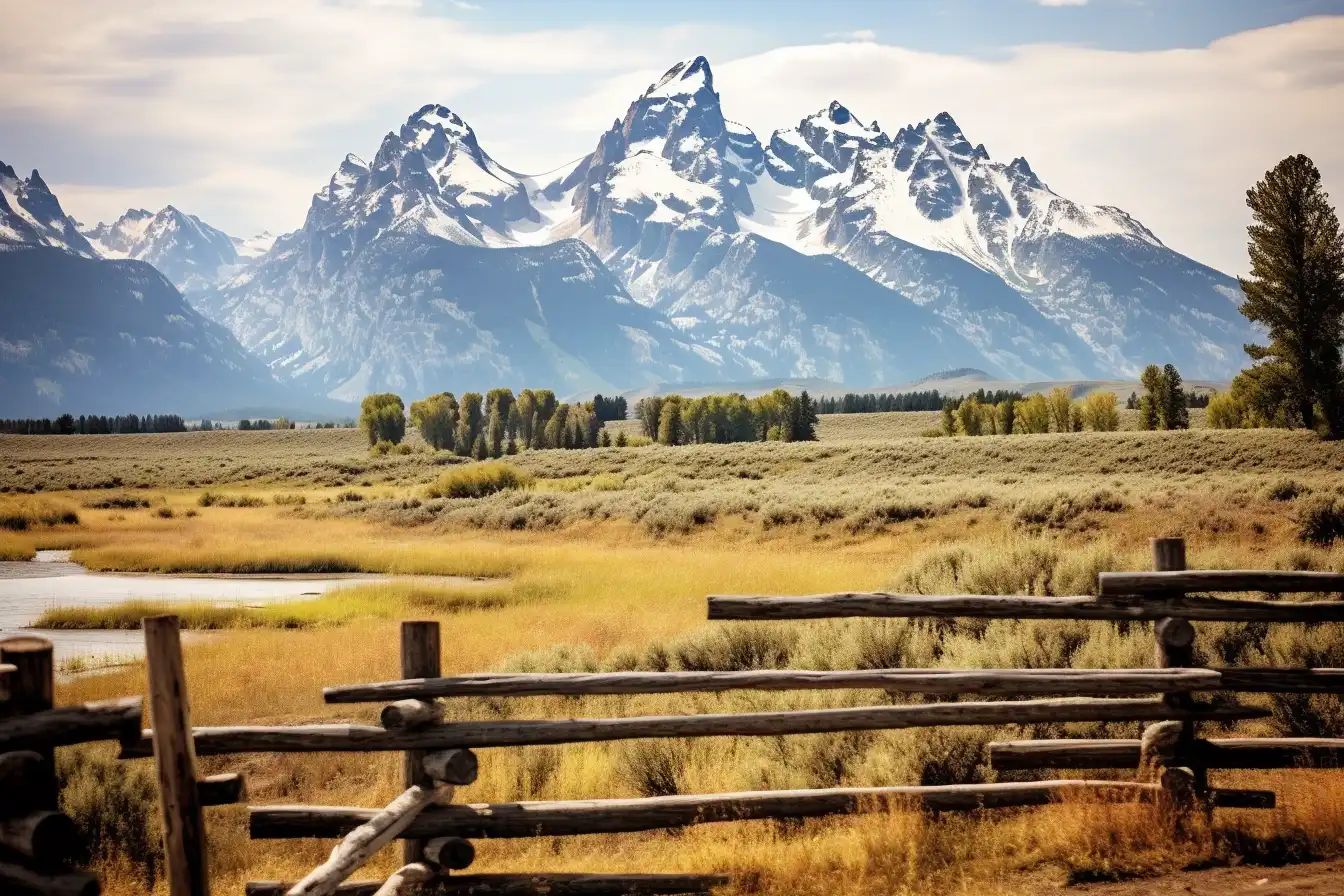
239,111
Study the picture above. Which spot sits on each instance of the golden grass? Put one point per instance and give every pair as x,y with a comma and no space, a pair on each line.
612,597
595,586
391,600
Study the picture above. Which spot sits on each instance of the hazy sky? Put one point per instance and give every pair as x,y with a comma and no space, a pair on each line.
238,111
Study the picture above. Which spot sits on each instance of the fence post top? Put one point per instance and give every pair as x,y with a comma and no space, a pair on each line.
25,644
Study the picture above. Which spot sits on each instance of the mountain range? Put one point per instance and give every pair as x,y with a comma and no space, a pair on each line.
86,334
189,252
685,248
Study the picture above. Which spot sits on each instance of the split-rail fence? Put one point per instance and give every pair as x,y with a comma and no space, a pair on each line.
1171,759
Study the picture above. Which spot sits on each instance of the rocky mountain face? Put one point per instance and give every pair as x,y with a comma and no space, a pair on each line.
82,334
1091,270
683,248
414,273
1041,286
189,252
30,215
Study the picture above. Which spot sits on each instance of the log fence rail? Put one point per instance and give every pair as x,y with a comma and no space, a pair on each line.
1171,760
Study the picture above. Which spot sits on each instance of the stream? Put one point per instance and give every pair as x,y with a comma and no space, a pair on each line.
28,588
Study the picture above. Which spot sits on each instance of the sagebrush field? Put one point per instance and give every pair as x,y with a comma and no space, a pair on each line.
601,559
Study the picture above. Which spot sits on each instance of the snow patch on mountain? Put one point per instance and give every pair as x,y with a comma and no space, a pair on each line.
191,253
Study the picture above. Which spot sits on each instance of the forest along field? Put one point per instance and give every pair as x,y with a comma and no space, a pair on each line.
600,559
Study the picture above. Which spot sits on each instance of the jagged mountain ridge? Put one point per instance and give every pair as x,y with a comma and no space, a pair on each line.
189,252
742,253
401,278
1093,269
30,215
1072,290
84,334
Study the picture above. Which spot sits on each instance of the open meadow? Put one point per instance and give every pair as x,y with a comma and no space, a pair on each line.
600,559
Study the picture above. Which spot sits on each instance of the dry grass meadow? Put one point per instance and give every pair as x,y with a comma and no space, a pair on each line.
603,562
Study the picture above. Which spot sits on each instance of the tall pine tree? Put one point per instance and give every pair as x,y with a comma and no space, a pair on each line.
1296,289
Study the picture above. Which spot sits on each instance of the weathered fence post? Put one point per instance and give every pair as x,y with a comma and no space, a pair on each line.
175,758
37,840
419,659
1176,649
32,686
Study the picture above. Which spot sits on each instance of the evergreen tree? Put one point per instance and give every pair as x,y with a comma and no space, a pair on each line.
1174,413
1296,288
805,428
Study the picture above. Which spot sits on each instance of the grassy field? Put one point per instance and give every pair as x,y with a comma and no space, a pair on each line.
604,562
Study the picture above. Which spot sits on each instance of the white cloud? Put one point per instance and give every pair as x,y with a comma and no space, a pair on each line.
463,4
1062,2
865,35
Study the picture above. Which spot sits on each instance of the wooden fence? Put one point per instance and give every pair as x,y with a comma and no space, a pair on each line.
1171,759
38,843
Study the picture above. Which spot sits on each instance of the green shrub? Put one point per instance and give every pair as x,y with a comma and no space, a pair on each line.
1286,490
653,767
114,806
349,496
210,499
1321,521
117,502
734,648
479,480
164,513
1059,511
31,512
286,500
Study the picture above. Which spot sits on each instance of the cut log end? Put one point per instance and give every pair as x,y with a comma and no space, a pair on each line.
453,853
407,715
452,766
46,837
222,790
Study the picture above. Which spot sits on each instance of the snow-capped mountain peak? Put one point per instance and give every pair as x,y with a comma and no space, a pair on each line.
189,252
31,215
687,78
429,177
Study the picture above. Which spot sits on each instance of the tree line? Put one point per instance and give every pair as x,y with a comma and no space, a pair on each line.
930,400
68,424
774,417
495,424
1056,412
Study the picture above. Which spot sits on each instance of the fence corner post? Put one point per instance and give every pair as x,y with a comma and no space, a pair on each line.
420,647
1176,650
175,759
